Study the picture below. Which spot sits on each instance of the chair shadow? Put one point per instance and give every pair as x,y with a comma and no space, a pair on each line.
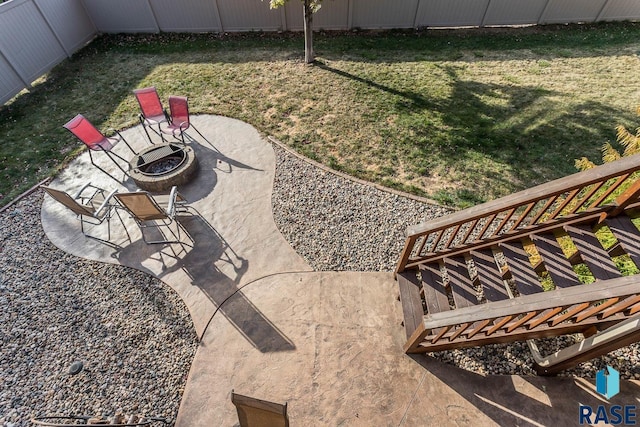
533,401
216,269
219,156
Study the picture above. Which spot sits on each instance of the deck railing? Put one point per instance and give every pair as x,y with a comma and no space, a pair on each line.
604,189
562,311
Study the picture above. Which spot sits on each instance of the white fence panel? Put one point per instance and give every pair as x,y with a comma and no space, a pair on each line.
69,21
617,10
514,12
333,15
249,15
35,36
10,82
113,16
186,15
294,15
451,13
383,13
561,11
123,16
26,40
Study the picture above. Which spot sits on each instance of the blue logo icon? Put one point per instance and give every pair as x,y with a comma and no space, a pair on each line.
608,382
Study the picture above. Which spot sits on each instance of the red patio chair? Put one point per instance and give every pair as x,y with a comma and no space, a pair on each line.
152,111
179,118
96,141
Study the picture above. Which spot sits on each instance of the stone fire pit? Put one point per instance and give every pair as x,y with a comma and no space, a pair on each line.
161,166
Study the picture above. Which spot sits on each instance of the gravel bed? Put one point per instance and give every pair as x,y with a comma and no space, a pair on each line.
338,224
132,332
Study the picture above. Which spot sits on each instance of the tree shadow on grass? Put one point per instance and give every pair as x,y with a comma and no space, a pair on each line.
499,138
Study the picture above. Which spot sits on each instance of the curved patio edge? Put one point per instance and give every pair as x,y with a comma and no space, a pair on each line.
233,237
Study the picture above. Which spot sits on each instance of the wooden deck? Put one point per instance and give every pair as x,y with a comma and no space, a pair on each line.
510,269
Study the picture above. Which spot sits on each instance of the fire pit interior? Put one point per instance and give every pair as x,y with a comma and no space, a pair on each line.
162,166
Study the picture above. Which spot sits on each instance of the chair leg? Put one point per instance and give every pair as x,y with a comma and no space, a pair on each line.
99,239
126,143
144,128
202,136
177,236
123,225
110,176
196,129
164,239
117,164
160,133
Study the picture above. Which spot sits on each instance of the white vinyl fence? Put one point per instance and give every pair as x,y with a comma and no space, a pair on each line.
35,35
113,16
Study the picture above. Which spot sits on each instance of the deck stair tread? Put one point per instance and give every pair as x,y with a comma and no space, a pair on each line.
526,280
411,300
464,293
434,290
627,235
489,275
555,261
592,252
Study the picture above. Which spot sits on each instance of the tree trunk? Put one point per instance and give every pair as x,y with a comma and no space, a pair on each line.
309,57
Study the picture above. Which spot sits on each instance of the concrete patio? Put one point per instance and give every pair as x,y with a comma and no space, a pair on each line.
328,343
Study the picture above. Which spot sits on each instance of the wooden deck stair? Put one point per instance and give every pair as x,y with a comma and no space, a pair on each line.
507,270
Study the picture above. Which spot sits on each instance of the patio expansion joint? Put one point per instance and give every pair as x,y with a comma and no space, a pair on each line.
413,398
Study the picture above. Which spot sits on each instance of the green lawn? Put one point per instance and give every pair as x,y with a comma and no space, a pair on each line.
459,116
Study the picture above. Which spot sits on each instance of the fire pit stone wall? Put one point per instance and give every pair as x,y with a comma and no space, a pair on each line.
148,178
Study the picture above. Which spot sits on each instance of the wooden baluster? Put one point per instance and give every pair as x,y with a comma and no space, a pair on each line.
524,215
504,222
564,204
544,209
609,190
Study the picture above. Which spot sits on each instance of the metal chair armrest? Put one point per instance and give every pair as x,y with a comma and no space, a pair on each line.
171,206
106,203
84,187
79,195
612,338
